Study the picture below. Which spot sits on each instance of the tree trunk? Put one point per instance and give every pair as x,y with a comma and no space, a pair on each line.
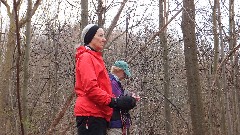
223,78
163,39
1,45
114,21
237,91
192,68
231,92
84,13
100,13
5,78
234,61
25,67
18,65
6,69
215,94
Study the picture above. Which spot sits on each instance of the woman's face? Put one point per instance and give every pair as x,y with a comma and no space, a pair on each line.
121,75
98,40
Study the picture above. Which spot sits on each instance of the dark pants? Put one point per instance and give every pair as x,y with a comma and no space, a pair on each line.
91,125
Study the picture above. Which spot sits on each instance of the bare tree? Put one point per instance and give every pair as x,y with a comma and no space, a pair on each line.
233,127
192,72
101,10
6,69
166,80
25,67
16,14
115,20
223,78
154,51
215,117
84,14
1,33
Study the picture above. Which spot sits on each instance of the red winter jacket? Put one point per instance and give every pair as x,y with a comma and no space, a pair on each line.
92,86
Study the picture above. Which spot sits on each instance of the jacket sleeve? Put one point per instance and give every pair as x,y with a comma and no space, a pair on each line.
88,77
115,88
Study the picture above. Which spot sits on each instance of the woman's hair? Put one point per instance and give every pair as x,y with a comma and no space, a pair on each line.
115,69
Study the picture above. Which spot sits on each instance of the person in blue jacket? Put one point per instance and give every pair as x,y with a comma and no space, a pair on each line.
120,120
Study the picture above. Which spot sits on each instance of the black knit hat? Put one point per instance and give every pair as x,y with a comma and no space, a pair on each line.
88,33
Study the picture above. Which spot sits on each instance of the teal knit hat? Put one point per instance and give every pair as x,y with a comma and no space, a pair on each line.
124,66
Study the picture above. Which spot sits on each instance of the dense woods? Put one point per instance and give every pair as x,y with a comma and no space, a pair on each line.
184,58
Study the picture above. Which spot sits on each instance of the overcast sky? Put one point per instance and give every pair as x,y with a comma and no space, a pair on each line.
72,13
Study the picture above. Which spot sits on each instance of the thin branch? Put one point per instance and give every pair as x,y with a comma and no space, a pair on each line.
71,4
8,7
176,108
154,36
71,123
224,61
18,3
5,3
15,6
178,111
60,114
115,19
109,6
23,21
34,104
109,44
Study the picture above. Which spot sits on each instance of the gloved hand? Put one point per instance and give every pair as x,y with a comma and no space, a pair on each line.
123,102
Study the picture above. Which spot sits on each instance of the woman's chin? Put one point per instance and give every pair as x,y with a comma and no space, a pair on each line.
101,48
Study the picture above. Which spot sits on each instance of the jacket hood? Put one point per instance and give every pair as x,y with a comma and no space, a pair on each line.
80,50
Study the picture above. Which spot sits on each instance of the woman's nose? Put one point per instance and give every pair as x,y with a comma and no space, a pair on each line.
104,39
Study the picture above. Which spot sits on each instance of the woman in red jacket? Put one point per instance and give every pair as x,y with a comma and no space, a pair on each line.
94,102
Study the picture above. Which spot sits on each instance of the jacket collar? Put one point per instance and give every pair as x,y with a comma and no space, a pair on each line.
83,49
